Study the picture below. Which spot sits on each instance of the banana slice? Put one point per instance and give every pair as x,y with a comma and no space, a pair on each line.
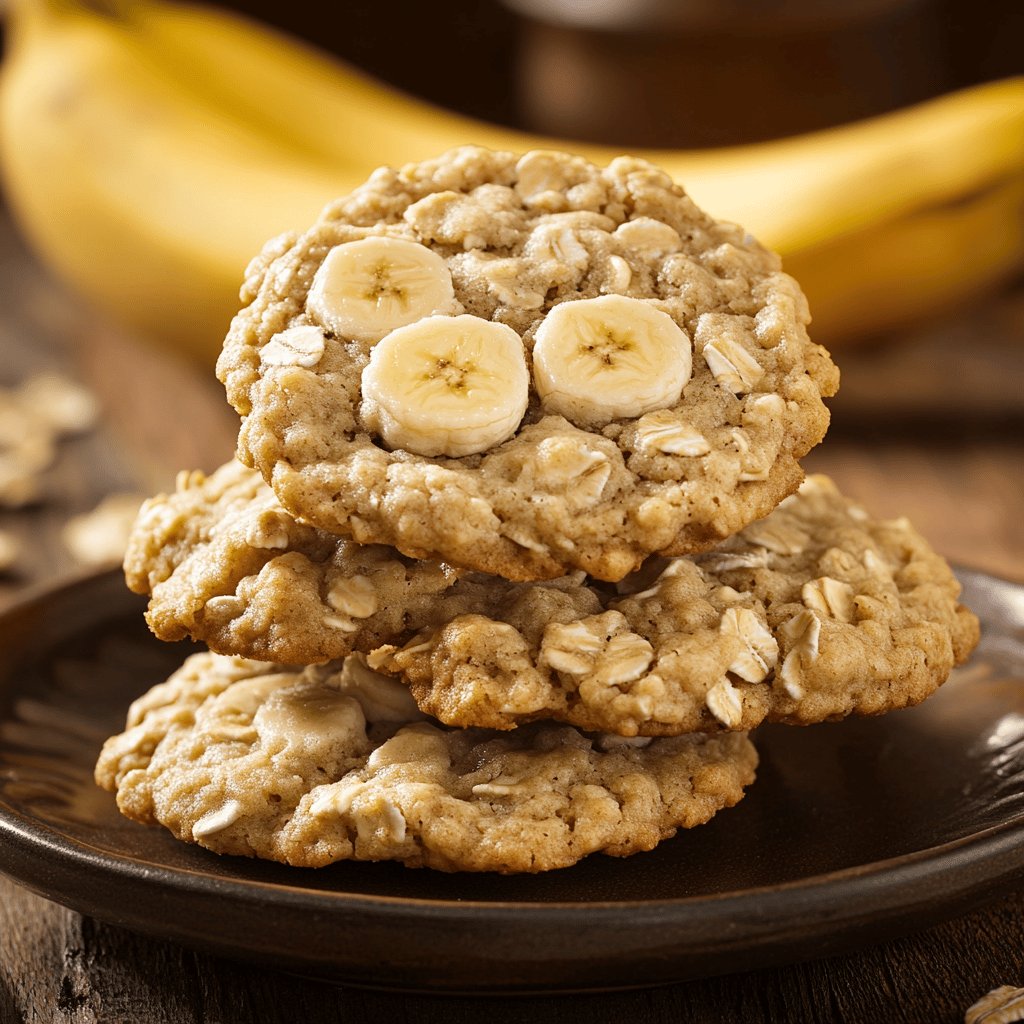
446,385
366,288
598,360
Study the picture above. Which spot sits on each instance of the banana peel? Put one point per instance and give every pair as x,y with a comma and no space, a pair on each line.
918,267
148,149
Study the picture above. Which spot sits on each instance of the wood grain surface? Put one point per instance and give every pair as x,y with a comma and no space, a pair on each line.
929,427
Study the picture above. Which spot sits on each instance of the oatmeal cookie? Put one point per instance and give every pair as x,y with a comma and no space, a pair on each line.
525,366
225,564
323,765
814,613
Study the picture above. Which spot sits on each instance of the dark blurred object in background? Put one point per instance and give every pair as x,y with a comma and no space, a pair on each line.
460,54
706,73
667,72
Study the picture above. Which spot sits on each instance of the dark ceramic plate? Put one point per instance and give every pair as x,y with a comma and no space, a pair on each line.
853,833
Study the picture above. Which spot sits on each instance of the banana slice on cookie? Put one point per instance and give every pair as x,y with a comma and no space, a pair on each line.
365,289
613,357
446,385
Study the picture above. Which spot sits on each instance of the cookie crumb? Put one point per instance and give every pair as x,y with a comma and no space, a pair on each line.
1003,1005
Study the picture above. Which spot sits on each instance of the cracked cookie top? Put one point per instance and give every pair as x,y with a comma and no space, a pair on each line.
525,366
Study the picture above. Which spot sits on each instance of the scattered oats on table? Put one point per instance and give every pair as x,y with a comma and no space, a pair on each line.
1003,1005
99,537
10,548
33,417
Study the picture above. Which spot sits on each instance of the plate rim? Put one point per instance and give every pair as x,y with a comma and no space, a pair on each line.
989,841
849,900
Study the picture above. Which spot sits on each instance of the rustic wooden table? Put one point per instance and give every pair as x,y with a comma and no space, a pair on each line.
930,428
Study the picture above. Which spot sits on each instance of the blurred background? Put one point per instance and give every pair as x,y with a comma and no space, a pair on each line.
929,421
668,73
145,160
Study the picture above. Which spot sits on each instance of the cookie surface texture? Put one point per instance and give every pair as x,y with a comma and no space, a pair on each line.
673,391
814,613
224,563
313,767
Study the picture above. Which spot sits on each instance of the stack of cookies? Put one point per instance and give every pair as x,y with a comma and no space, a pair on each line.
515,551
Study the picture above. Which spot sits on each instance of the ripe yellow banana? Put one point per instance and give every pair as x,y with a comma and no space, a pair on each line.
790,193
895,274
146,199
195,134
